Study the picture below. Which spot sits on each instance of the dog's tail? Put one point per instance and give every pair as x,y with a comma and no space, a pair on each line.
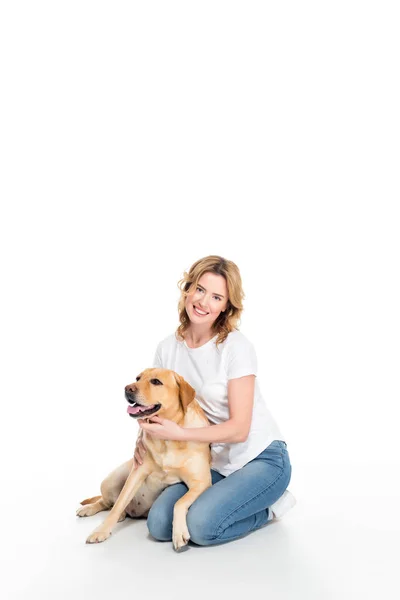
91,500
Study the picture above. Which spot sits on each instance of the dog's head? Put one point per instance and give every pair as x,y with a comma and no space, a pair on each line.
157,390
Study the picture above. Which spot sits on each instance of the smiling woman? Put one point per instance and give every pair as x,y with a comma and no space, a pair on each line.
220,363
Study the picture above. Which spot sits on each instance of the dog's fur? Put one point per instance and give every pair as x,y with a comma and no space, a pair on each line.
130,491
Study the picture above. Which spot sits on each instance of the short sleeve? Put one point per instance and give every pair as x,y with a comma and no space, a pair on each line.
157,360
242,359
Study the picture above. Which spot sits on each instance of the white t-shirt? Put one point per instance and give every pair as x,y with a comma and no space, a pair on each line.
207,369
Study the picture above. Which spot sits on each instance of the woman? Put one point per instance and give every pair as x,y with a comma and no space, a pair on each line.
250,463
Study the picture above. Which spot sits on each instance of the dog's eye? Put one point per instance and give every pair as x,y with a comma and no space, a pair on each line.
155,381
137,378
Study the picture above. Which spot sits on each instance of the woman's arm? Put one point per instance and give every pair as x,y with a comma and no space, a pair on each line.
237,427
165,429
228,431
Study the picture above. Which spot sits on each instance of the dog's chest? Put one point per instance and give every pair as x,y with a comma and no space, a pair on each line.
168,461
162,478
167,471
169,456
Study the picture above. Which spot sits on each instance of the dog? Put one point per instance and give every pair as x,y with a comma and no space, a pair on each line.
130,491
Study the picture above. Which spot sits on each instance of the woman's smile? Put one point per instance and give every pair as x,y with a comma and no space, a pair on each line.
200,314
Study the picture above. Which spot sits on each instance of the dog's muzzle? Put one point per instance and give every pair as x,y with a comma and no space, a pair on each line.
137,410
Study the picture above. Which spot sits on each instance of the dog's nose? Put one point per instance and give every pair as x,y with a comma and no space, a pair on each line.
130,388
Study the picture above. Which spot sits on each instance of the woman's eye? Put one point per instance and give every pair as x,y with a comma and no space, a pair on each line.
200,290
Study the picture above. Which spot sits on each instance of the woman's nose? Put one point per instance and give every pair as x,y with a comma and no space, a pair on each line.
203,301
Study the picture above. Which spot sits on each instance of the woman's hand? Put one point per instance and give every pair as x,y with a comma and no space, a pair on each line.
140,451
163,429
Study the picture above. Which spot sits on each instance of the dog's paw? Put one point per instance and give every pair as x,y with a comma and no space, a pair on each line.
180,538
86,511
98,536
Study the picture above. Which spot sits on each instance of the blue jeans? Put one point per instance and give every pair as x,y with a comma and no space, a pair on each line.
233,506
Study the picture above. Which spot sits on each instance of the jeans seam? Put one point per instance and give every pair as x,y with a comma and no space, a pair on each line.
217,535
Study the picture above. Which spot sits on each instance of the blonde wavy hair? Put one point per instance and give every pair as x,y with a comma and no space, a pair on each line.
228,320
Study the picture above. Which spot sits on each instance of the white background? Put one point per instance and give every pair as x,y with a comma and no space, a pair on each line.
136,138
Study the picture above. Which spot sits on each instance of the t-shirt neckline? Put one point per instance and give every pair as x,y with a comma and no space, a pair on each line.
200,347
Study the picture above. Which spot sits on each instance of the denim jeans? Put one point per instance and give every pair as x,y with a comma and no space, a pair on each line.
233,506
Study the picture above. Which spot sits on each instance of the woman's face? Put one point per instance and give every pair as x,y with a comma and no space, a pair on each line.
211,297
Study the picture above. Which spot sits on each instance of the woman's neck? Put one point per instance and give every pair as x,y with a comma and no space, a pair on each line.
198,338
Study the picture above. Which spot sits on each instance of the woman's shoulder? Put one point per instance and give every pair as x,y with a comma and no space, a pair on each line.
236,338
237,342
167,341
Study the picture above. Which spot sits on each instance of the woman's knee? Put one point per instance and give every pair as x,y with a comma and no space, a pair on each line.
161,514
159,523
160,520
200,526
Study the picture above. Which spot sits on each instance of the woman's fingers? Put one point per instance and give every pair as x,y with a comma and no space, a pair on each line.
140,451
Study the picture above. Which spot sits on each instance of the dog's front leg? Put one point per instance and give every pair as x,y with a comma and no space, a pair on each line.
197,485
133,482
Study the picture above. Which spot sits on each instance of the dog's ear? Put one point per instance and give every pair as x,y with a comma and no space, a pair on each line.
186,392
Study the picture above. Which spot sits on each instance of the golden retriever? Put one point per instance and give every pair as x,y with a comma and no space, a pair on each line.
130,491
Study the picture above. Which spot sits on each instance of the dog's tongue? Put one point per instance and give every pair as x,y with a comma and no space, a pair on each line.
133,410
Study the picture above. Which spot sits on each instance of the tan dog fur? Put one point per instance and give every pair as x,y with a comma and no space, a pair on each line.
129,491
